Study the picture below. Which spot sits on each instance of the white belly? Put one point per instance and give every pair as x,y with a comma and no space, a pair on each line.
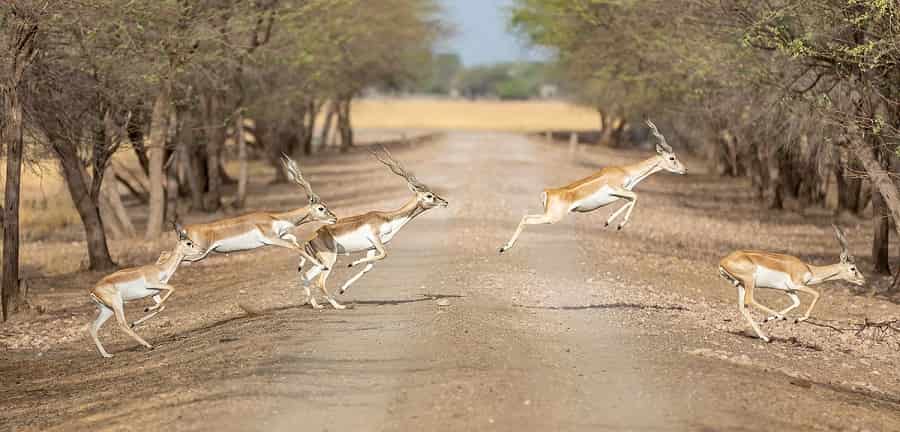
136,289
249,240
599,199
766,278
356,241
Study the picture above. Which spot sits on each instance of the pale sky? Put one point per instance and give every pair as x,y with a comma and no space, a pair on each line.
481,34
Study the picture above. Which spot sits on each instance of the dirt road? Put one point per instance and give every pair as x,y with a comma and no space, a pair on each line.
576,328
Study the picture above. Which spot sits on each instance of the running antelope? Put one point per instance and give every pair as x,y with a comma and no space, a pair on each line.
368,232
255,230
113,291
601,189
748,270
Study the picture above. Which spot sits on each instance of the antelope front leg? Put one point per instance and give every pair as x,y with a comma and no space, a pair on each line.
356,277
815,300
795,301
159,302
526,220
632,200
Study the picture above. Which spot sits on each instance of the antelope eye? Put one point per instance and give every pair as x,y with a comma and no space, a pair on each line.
429,196
671,158
321,208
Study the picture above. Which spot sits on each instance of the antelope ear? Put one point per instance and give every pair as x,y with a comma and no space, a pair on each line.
846,258
182,233
412,188
659,149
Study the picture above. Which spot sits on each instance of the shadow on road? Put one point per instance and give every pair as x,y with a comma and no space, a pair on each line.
608,306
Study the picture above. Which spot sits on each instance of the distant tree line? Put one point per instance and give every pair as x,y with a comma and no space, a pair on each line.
447,75
172,81
797,95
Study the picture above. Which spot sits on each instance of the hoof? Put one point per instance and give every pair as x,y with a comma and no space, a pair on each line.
107,355
605,224
503,249
349,265
619,228
146,309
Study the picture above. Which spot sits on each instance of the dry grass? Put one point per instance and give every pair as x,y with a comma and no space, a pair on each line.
526,116
46,206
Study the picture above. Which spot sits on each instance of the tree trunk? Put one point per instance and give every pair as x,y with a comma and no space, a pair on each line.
242,159
325,135
88,211
13,137
159,131
112,205
187,159
310,112
344,126
214,140
881,180
882,226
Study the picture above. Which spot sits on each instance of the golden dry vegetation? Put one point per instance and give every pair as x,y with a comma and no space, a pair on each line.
461,114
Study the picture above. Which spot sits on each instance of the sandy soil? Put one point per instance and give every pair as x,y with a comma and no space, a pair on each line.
576,328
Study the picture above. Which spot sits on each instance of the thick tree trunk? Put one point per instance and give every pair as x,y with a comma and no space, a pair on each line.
12,137
241,197
88,211
159,131
881,180
112,210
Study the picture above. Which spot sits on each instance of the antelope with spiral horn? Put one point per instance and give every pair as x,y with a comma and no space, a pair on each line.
748,270
255,230
367,232
605,187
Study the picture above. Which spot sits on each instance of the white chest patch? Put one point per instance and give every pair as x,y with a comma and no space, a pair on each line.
249,240
767,278
390,229
598,199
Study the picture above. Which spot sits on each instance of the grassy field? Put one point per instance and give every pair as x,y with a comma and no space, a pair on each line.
524,116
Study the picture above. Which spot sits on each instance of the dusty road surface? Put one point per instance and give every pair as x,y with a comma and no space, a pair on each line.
576,328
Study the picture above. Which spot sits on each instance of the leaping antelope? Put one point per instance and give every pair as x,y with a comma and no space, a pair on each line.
602,188
368,232
748,270
113,291
259,229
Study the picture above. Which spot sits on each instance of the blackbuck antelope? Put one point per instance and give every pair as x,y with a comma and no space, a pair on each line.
260,229
368,232
748,270
113,291
601,189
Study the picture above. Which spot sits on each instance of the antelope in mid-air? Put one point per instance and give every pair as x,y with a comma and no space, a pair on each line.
113,291
368,232
748,270
260,229
602,188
